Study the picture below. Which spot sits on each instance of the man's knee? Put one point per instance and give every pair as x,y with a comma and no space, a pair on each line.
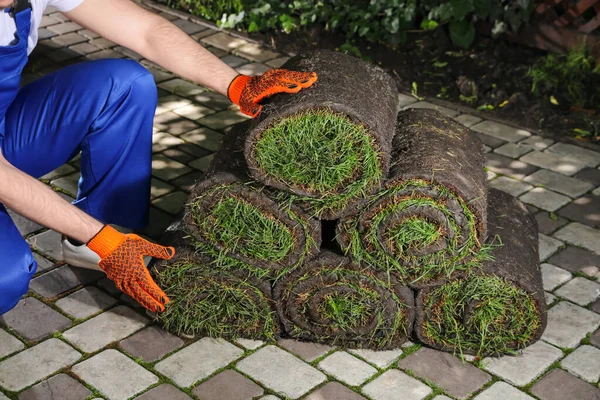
129,75
14,281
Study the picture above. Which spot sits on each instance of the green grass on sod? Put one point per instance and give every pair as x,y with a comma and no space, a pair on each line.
482,315
402,245
214,303
323,153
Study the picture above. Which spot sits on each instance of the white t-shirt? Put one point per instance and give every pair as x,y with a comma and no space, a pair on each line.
8,27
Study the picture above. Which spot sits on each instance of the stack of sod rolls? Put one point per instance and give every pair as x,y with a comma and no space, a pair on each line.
324,218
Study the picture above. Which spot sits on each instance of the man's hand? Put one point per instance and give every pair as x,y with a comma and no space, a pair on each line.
247,92
122,258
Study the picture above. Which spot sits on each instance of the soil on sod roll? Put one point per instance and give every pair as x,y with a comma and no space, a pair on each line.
328,145
429,220
207,301
335,301
498,309
232,217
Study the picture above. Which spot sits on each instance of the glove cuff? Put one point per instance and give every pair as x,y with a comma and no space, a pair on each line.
236,87
106,241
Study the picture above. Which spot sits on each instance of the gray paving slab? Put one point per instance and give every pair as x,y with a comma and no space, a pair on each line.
9,344
164,392
580,235
584,363
86,302
568,324
347,368
151,344
501,131
379,358
33,320
580,291
396,385
502,391
60,386
63,279
334,391
560,385
228,385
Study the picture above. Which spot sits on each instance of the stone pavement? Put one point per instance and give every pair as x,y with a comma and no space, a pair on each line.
76,337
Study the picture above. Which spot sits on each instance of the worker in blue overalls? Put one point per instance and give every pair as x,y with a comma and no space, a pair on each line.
104,110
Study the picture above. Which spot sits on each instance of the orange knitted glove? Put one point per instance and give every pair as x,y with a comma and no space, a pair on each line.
248,91
122,258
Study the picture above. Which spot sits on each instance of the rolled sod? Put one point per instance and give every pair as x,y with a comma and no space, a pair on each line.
235,218
429,220
208,301
332,300
498,309
328,145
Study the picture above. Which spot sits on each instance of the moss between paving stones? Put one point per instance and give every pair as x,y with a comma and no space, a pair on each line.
210,302
233,219
328,145
429,221
499,309
332,300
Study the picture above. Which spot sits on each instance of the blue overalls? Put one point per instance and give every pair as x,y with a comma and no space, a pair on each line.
103,109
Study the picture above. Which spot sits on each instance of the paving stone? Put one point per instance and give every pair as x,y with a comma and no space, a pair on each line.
584,363
559,183
151,344
84,48
108,53
86,302
48,243
203,163
228,385
33,320
501,131
255,52
63,279
425,104
507,166
595,307
502,391
115,324
278,62
3,397
114,375
204,137
162,141
580,235
568,324
68,183
109,286
159,221
174,124
588,157
170,103
250,344
223,119
61,29
550,298
545,199
9,344
575,259
381,358
69,39
194,111
554,162
64,169
188,27
270,366
446,371
591,175
213,100
196,151
548,246
198,361
553,276
591,272
441,397
548,222
166,168
172,202
186,182
179,155
305,350
24,225
347,368
253,69
396,385
468,120
217,52
223,41
560,385
581,291
513,150
595,339
510,186
62,385
88,34
102,43
164,392
36,363
524,368
537,142
159,188
585,209
489,141
334,391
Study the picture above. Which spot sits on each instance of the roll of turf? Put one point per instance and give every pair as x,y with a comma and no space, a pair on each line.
429,220
208,301
332,300
328,145
235,218
498,309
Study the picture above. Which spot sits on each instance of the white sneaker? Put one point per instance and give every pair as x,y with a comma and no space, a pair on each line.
79,256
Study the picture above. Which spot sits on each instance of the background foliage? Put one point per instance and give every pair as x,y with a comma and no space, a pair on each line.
381,21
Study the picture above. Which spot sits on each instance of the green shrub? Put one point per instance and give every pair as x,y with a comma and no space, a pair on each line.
212,10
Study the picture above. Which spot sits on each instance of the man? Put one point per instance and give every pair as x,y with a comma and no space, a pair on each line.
103,109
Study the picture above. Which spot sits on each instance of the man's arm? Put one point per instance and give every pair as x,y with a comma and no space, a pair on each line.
156,39
36,201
